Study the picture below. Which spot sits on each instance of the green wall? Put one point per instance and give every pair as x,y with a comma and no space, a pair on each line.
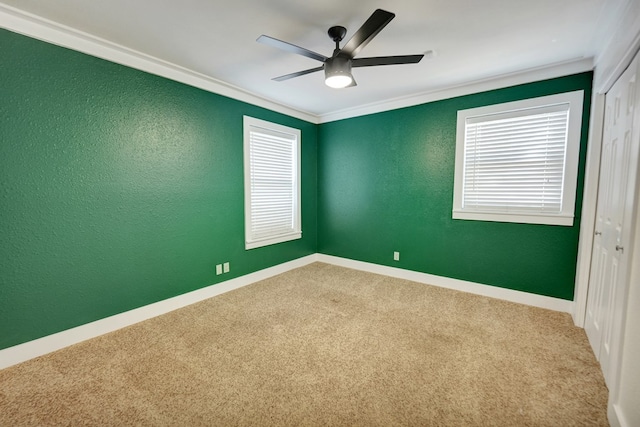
119,188
386,184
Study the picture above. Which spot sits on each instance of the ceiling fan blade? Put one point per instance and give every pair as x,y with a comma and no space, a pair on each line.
386,60
297,74
291,48
376,22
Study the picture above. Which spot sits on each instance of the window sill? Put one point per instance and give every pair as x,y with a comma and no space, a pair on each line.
272,241
529,218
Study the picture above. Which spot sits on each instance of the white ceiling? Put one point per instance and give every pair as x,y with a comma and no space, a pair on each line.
473,40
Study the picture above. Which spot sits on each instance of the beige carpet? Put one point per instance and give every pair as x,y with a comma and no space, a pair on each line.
321,346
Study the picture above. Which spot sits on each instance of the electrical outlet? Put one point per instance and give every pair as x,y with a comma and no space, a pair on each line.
396,256
225,267
218,269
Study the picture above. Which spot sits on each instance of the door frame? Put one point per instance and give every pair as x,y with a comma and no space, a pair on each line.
589,208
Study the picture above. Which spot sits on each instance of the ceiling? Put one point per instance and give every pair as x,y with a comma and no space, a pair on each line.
471,41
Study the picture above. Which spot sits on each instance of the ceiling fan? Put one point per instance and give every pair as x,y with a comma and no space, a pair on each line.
337,68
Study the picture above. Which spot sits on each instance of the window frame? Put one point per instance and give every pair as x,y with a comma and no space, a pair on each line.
570,177
250,124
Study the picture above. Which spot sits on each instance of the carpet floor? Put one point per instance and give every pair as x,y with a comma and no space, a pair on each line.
321,346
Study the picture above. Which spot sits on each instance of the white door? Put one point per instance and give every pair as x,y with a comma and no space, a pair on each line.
614,220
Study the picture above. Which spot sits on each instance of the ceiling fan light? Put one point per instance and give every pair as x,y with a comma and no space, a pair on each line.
338,81
337,72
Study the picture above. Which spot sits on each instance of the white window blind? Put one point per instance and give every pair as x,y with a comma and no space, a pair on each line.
518,161
271,183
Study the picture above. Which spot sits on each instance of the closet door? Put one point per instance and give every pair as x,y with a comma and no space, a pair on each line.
608,282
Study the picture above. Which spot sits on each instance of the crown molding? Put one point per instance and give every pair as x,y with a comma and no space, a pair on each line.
48,31
620,48
561,69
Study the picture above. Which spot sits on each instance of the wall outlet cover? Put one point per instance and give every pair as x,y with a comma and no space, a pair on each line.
218,269
226,267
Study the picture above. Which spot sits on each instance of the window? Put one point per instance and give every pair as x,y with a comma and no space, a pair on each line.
271,182
518,161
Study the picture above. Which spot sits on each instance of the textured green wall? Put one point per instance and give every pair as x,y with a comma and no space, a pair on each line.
386,184
119,188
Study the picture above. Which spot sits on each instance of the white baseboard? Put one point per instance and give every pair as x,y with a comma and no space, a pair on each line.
520,297
38,347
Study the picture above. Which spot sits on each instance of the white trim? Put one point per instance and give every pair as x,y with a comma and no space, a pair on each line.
31,349
270,241
589,205
562,69
614,58
605,82
253,125
52,32
541,301
531,218
575,102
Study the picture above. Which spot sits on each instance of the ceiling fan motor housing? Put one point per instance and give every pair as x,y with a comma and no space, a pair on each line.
337,65
338,68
